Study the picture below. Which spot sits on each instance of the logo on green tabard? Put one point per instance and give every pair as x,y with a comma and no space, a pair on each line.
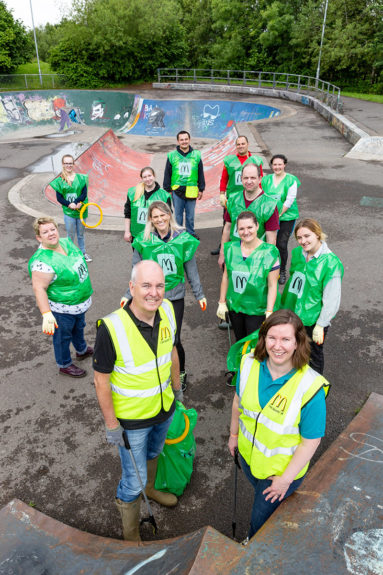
168,263
185,168
297,284
239,280
81,269
238,178
71,198
142,215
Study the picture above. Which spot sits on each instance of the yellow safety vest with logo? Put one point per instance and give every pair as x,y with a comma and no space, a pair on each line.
141,380
268,437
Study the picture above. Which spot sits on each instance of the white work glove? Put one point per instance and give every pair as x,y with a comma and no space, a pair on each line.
222,200
202,303
222,311
49,323
268,313
318,334
123,301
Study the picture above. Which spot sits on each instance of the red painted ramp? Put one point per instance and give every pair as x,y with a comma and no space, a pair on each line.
113,168
333,525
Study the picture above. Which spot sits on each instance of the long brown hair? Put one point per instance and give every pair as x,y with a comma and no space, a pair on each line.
283,316
313,226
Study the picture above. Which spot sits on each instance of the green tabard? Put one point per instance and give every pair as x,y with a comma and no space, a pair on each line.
234,171
139,208
185,171
247,289
72,192
304,289
72,284
281,192
170,255
263,207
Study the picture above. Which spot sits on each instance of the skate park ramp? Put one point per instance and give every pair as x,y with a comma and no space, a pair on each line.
113,168
61,110
332,524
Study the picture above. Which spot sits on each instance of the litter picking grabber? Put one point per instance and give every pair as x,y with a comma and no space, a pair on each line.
149,519
237,466
228,328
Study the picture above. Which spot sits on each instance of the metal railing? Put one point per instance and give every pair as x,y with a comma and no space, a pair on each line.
32,82
327,92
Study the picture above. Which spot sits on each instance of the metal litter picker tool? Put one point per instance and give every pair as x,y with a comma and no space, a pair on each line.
150,518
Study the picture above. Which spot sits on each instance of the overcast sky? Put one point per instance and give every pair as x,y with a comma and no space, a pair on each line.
43,11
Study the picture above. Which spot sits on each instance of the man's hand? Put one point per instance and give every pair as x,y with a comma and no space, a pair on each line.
114,436
123,301
49,323
178,395
199,195
222,200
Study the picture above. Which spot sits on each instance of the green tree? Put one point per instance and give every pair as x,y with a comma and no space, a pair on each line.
114,41
15,45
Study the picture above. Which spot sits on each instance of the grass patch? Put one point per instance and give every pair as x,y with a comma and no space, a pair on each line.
32,68
369,97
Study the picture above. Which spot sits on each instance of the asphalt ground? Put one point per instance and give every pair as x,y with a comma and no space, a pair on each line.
54,455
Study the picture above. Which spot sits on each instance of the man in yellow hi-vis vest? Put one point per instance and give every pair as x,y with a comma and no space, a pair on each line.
137,380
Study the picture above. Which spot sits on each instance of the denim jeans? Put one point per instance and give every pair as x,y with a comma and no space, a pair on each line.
146,443
73,226
182,205
262,509
71,329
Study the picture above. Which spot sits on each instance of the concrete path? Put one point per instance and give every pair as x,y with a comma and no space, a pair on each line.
53,453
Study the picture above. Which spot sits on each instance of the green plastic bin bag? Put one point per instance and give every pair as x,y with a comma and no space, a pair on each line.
239,349
175,463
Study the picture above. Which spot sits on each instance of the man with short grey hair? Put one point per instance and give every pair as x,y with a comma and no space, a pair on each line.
136,374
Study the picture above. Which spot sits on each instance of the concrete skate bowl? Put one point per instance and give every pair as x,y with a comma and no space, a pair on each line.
332,524
113,168
124,112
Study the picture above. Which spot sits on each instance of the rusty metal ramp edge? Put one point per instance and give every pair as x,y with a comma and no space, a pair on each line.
32,543
332,525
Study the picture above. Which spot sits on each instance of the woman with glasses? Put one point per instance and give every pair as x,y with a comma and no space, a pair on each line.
165,242
72,192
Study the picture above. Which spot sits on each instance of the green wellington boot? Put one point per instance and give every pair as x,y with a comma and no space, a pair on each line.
130,517
163,498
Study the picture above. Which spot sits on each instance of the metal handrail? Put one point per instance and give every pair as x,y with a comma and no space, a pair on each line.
299,83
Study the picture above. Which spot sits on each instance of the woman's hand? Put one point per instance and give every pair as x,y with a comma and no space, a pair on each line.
222,310
128,237
233,443
318,334
72,206
202,303
277,489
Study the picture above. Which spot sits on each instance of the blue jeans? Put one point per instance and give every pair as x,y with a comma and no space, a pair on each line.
146,443
73,226
262,509
188,206
71,329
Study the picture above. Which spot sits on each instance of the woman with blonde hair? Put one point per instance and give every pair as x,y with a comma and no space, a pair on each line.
71,192
138,201
166,243
313,290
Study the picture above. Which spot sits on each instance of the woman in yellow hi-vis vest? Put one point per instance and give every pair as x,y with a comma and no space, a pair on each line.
278,414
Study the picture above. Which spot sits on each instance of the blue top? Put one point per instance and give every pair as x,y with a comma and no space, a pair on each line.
313,414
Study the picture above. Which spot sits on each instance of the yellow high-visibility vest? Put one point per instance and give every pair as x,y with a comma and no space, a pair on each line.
268,437
141,380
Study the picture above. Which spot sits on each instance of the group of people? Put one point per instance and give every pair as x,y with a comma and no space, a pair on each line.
278,412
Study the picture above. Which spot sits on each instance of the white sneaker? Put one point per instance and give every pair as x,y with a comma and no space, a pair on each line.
87,258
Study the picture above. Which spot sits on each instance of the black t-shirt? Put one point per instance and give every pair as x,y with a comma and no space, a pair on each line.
104,358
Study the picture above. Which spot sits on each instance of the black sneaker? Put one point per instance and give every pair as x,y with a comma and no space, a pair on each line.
282,277
216,251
